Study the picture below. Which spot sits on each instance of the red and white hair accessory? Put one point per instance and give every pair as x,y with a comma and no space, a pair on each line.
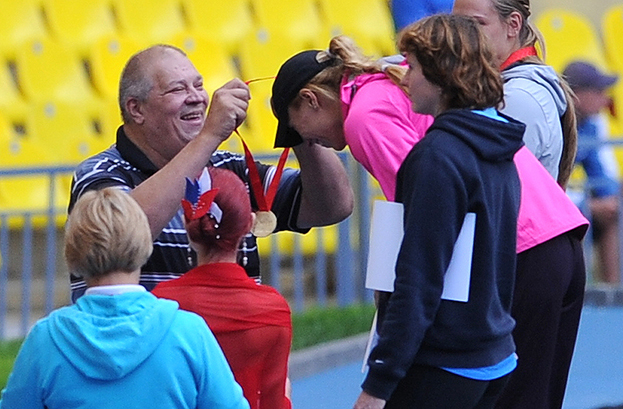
199,198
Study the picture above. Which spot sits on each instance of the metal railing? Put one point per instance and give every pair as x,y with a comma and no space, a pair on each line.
34,279
330,270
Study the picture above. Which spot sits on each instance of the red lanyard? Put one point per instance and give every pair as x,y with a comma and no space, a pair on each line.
264,201
518,56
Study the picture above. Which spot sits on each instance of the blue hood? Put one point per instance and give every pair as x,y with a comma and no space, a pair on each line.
492,140
106,337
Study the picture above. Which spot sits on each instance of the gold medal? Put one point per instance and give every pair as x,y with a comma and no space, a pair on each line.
265,223
265,220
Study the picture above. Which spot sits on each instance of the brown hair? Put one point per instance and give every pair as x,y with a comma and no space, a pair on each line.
529,35
454,55
107,231
233,200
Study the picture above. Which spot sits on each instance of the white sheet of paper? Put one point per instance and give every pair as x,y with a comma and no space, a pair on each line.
373,339
386,234
456,280
386,231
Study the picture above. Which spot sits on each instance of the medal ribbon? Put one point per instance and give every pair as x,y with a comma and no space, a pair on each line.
518,56
264,201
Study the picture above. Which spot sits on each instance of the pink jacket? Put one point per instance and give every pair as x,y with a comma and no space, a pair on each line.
380,129
545,210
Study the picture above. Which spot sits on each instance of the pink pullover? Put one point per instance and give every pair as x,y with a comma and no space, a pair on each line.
380,129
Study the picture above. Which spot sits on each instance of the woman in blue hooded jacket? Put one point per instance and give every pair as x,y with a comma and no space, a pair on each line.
118,346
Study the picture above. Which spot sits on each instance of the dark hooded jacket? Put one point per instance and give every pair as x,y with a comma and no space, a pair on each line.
463,165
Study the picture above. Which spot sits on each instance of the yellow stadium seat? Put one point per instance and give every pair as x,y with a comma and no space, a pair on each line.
226,22
51,71
106,59
68,132
261,124
368,22
261,57
11,100
149,21
569,36
297,20
262,53
308,242
210,59
109,121
80,23
616,120
612,32
19,149
20,22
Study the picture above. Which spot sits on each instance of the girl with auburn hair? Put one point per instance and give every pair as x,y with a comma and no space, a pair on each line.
251,322
464,74
437,350
551,275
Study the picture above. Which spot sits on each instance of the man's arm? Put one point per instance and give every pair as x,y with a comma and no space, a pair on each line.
327,197
160,195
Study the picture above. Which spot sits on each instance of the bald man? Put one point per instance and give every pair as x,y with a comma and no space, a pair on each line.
167,136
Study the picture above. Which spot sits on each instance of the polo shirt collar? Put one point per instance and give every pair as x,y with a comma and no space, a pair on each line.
132,154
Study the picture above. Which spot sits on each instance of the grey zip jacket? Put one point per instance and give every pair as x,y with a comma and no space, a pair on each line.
533,95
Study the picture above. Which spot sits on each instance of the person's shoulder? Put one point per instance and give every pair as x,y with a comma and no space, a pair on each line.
103,161
380,88
523,88
228,160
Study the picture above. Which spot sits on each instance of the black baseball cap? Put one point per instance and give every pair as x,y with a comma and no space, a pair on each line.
293,75
582,75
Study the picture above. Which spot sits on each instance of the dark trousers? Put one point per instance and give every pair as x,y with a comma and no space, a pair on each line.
427,387
547,303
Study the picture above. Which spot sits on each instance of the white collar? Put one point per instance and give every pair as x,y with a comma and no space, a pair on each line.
115,289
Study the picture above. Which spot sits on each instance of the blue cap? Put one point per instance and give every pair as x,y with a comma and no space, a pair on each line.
580,74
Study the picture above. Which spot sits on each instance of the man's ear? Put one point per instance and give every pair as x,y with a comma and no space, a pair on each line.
134,108
514,22
309,97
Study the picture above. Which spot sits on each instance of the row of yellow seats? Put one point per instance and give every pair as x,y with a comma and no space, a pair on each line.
148,21
224,39
571,36
33,192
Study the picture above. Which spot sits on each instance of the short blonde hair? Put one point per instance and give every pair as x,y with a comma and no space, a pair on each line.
107,231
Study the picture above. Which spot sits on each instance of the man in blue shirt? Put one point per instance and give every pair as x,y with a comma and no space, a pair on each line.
591,86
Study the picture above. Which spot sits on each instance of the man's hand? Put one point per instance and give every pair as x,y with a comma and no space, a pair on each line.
367,401
228,109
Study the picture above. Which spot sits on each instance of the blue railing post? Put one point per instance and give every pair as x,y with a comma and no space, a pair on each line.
26,272
4,272
321,270
299,276
275,264
344,266
50,267
364,232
